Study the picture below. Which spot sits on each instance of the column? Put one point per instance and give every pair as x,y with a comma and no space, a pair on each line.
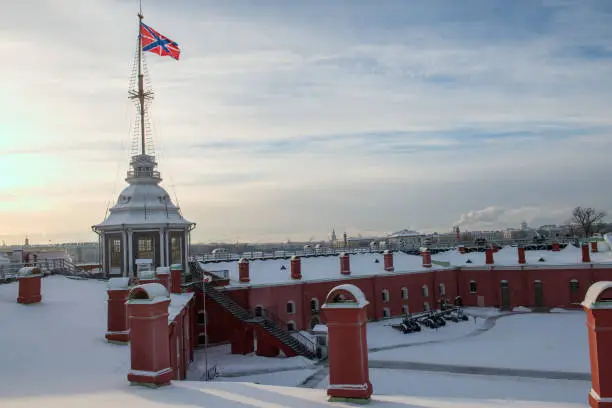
125,268
130,256
162,249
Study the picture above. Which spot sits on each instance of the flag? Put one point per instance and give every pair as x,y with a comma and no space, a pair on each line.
156,43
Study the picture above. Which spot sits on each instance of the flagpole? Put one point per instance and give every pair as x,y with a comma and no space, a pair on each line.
141,96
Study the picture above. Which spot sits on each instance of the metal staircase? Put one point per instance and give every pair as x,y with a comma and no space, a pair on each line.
293,341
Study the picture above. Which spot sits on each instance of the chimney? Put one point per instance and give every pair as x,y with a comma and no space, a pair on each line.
586,256
556,247
489,256
243,270
593,246
388,261
345,264
521,255
296,267
176,272
426,257
163,276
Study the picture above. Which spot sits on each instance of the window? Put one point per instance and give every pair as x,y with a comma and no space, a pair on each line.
426,307
176,244
405,310
115,253
314,305
574,286
386,313
200,317
404,293
425,290
290,325
291,307
442,289
144,247
473,287
385,295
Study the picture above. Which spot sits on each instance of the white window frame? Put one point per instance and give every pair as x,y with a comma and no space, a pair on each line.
385,295
292,303
425,290
405,310
386,313
475,286
404,291
426,307
442,289
291,322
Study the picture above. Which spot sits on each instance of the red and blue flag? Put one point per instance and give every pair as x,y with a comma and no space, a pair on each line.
156,43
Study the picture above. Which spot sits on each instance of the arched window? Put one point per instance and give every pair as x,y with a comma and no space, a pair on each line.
426,307
574,285
405,310
290,325
385,295
441,289
314,305
425,290
200,317
290,307
386,313
404,293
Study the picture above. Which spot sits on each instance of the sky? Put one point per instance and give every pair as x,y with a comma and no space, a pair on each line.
283,120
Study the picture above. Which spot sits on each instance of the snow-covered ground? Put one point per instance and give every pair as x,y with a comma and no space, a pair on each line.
54,354
549,342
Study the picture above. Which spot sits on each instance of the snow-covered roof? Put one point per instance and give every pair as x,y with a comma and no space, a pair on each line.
405,233
508,256
93,373
319,268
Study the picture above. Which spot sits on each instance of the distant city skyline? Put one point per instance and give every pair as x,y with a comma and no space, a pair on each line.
284,120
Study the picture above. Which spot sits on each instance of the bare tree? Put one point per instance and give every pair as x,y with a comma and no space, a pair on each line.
587,219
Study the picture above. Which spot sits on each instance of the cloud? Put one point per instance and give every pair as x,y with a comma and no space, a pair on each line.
288,118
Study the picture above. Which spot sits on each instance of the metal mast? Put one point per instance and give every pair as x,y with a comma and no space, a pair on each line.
140,93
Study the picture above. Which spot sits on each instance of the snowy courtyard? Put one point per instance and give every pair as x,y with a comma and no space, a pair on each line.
56,351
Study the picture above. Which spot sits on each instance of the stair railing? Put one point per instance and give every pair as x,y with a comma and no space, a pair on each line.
310,344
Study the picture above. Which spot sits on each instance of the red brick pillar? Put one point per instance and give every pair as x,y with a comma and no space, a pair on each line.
593,246
521,255
30,282
556,247
489,256
586,255
426,258
117,323
388,261
296,267
346,317
176,272
345,263
149,335
163,276
243,270
598,307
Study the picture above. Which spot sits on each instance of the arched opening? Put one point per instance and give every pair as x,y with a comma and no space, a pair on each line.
259,310
404,292
386,313
405,310
574,291
538,292
314,321
290,325
425,290
505,294
426,307
441,289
